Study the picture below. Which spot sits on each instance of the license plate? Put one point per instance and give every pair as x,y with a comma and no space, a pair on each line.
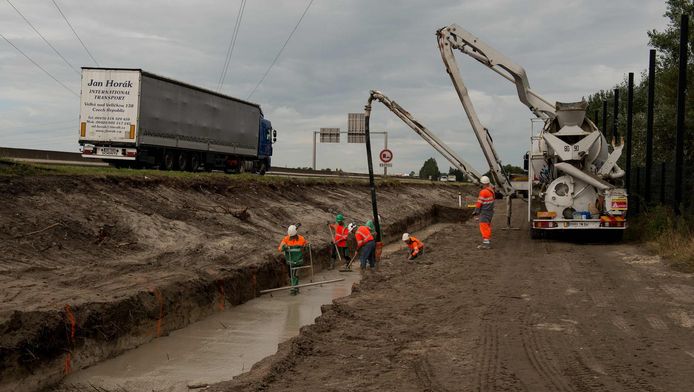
110,151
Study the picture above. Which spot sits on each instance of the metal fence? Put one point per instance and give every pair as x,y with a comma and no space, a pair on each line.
662,188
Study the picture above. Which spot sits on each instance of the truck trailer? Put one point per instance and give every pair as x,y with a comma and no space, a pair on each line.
133,118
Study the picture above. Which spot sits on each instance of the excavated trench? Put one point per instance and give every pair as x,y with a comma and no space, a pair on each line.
62,344
229,342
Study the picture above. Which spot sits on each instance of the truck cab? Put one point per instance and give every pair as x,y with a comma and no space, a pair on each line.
266,136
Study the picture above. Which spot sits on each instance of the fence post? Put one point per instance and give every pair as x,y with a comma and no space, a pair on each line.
630,123
604,120
681,95
649,122
637,193
663,172
615,117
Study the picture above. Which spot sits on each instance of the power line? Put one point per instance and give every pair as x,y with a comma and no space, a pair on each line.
232,44
76,35
44,38
281,49
40,67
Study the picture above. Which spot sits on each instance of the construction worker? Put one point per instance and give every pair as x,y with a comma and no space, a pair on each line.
484,212
340,238
293,246
367,245
415,246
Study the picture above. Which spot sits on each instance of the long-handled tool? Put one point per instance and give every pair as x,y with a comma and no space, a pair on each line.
337,250
301,285
348,268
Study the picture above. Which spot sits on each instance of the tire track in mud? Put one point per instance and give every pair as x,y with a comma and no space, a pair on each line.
488,358
487,354
427,376
540,356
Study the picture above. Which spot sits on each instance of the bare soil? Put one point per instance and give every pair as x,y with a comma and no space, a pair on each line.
93,265
544,315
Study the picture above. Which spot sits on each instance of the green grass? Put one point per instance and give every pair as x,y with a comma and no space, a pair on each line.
20,169
669,236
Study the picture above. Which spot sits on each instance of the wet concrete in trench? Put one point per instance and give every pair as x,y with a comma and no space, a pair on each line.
225,344
219,347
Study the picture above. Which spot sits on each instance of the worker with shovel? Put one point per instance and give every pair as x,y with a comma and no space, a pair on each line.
484,212
293,246
367,245
339,239
415,246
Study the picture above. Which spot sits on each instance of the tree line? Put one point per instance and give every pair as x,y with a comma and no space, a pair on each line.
666,43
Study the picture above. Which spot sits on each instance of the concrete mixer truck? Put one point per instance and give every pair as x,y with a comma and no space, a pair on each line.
574,182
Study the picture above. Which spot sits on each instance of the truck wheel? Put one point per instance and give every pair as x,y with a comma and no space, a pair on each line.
194,163
263,168
182,161
167,162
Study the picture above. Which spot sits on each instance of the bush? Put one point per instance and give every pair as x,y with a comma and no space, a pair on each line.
669,236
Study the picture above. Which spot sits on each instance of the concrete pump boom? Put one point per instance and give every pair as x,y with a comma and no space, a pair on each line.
452,157
455,37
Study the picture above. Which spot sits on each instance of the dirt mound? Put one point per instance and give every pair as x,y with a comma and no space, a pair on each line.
92,266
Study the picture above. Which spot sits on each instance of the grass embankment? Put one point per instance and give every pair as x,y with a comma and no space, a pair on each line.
11,168
667,235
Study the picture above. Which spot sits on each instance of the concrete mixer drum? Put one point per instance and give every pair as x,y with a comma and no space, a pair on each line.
567,195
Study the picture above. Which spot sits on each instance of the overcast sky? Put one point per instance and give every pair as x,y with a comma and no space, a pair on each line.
341,50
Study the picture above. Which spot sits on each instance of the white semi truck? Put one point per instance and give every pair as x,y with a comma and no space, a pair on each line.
130,117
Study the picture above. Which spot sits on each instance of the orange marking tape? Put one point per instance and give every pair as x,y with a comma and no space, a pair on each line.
71,319
68,366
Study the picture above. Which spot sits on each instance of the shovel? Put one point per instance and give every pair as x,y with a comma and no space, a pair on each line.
348,268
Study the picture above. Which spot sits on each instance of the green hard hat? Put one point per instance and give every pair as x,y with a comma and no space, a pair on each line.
339,218
370,225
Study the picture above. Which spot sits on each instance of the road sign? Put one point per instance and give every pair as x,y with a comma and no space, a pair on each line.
385,164
356,128
330,135
386,155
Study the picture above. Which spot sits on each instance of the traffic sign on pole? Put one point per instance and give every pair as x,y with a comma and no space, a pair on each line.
386,155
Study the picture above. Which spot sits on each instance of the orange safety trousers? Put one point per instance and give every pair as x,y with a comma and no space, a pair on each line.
486,230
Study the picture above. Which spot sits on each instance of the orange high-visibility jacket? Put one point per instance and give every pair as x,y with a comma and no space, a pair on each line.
485,204
289,242
363,236
415,245
341,234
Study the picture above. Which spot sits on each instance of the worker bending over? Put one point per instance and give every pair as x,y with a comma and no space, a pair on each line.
367,245
415,246
293,246
484,212
340,238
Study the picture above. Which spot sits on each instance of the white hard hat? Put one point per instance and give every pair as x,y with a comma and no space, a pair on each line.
484,180
405,236
291,231
351,227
